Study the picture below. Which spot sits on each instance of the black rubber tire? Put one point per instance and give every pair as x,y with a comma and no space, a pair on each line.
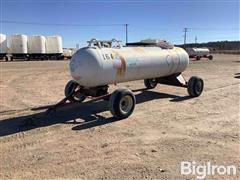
118,100
150,83
195,86
210,57
198,58
69,88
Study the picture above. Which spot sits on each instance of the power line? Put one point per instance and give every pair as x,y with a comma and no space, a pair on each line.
62,24
56,24
221,38
80,25
121,25
214,29
118,1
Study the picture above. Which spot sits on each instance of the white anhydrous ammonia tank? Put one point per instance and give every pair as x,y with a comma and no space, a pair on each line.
197,51
36,44
93,66
67,52
54,45
3,44
74,51
18,44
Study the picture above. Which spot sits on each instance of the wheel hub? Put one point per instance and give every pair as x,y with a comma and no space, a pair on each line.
126,104
152,82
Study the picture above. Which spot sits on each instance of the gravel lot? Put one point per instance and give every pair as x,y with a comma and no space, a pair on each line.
83,141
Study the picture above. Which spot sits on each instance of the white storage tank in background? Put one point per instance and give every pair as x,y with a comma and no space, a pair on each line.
54,45
67,53
36,44
74,51
198,51
3,44
18,44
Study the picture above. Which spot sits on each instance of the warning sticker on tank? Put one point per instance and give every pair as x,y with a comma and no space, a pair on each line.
132,62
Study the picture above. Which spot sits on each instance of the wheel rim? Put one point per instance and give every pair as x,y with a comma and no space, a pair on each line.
152,82
79,97
126,104
198,87
73,88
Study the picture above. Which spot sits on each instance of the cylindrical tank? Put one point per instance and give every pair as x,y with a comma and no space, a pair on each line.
54,45
3,44
18,44
73,51
93,66
36,44
198,51
67,52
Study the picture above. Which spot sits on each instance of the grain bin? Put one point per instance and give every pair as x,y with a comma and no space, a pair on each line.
3,46
18,46
54,46
36,46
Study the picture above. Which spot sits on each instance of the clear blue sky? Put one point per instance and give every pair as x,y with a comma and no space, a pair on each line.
209,20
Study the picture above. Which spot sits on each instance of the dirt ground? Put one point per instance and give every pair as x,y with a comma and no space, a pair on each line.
83,141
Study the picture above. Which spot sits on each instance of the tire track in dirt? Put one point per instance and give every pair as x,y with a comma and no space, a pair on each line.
44,129
20,141
222,87
14,111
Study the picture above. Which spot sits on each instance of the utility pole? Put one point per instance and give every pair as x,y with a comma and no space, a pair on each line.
77,46
185,36
195,40
126,30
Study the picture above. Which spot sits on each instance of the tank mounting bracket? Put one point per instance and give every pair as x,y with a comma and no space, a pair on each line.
173,80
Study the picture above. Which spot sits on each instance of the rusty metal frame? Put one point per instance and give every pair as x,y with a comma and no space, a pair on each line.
172,80
64,100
